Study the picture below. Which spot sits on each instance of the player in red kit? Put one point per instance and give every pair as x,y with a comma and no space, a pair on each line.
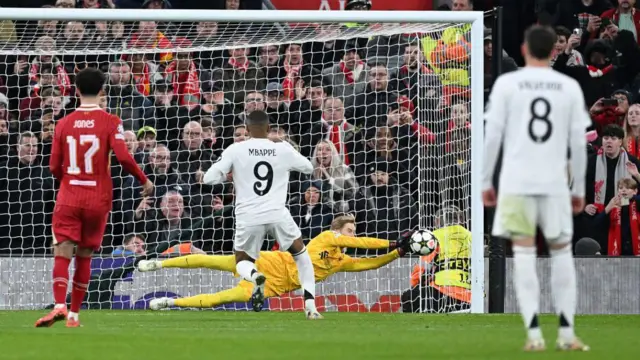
80,154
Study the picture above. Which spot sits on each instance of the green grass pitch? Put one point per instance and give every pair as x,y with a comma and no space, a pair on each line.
200,335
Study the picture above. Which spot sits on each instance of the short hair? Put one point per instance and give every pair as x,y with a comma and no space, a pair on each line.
339,222
206,122
378,64
315,83
49,91
25,135
627,183
613,130
89,81
257,117
332,98
540,41
129,238
562,31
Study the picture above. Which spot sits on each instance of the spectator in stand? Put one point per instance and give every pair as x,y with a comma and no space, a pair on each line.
191,158
26,200
372,106
462,5
631,141
123,98
305,113
625,17
390,206
324,54
165,177
599,77
269,60
215,106
145,73
170,223
110,35
147,142
309,211
47,97
454,171
417,82
148,36
75,36
568,42
277,108
348,78
621,221
46,138
165,115
48,44
207,33
239,75
38,121
578,13
50,27
253,101
330,169
133,245
606,168
293,69
240,133
603,113
184,75
5,139
400,118
335,128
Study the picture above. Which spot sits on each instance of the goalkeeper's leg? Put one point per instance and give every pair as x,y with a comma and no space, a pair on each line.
215,262
236,294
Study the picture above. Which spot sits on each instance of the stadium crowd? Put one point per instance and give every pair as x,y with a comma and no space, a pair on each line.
384,119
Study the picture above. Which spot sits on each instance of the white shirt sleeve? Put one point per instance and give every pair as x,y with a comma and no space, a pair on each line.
217,173
495,123
297,161
578,143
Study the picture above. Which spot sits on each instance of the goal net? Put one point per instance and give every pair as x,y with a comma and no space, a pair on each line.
382,110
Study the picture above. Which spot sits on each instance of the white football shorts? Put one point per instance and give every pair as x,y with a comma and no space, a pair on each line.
249,239
519,215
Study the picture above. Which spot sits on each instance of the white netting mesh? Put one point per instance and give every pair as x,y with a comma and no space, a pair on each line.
355,99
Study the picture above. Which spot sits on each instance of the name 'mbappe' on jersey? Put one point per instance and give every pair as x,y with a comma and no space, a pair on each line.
537,115
260,170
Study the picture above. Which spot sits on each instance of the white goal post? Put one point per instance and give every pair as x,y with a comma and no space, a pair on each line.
14,275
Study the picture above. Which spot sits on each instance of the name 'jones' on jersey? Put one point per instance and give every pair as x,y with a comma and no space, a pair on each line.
536,109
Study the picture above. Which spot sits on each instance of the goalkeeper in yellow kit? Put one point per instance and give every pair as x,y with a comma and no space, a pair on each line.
327,256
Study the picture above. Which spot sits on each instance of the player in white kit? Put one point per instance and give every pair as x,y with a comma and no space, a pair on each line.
260,170
537,114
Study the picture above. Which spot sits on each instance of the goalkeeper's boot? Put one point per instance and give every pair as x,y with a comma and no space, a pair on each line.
257,297
149,265
535,345
57,314
160,303
573,345
73,323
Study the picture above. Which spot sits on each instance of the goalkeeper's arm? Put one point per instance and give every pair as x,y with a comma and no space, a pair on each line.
362,264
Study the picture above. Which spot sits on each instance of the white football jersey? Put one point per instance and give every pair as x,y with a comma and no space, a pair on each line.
536,114
260,169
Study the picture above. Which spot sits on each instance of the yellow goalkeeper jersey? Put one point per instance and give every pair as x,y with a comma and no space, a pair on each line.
327,255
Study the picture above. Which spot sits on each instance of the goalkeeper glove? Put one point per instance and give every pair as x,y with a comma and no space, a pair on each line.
403,243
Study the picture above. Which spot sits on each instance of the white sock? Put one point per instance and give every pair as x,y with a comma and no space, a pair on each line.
306,276
246,268
563,288
60,306
73,315
527,288
171,302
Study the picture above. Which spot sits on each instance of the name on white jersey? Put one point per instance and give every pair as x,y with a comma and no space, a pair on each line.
84,124
262,152
539,85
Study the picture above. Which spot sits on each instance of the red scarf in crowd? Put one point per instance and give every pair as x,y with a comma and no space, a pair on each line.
614,247
143,81
336,136
185,83
596,73
289,82
160,42
348,73
242,67
633,146
62,78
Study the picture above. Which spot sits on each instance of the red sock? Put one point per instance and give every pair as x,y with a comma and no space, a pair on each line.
80,281
60,279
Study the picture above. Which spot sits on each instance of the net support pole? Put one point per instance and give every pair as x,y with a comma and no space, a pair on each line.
497,246
477,145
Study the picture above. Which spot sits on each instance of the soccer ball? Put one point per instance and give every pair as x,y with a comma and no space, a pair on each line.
423,242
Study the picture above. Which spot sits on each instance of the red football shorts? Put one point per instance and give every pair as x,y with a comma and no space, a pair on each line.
85,227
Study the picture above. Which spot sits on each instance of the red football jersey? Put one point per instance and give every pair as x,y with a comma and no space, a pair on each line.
80,154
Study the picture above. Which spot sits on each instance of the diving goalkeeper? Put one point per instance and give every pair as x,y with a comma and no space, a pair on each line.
327,256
